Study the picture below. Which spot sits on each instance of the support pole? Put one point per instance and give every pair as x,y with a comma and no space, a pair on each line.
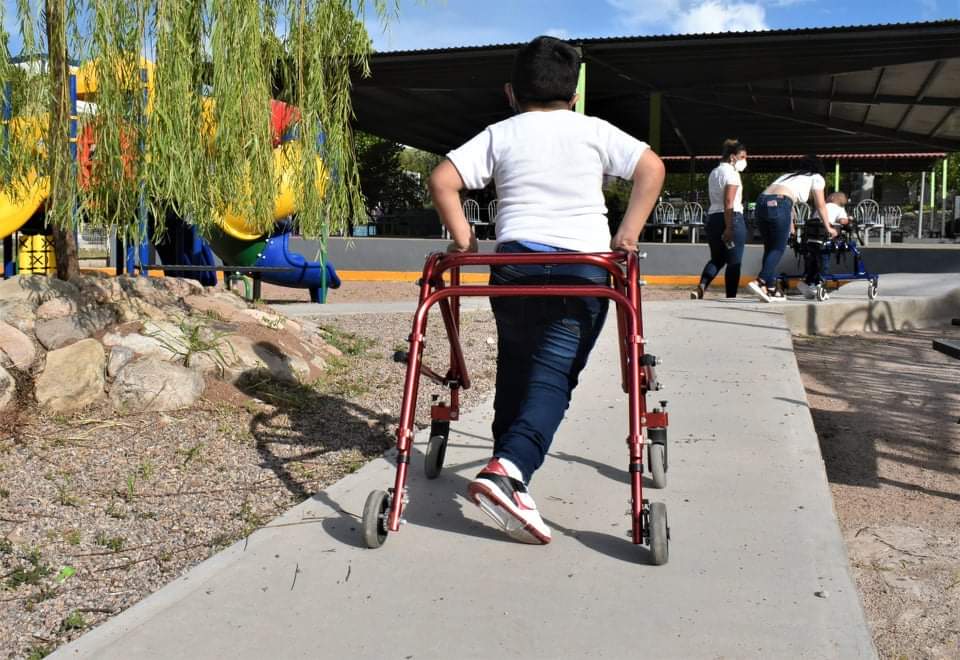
923,183
653,134
74,221
582,90
943,201
836,176
143,247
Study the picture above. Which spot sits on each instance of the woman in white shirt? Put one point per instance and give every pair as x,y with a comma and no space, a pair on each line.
775,221
726,229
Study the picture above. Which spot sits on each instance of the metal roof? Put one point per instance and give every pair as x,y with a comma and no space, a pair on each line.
838,90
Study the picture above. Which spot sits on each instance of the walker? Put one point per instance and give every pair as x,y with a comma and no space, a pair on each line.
383,511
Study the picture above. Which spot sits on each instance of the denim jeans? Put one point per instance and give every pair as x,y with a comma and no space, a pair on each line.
721,255
543,344
773,221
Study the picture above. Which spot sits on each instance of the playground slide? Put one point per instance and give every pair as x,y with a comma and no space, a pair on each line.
16,210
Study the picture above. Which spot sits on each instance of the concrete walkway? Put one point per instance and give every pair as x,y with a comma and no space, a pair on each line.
758,568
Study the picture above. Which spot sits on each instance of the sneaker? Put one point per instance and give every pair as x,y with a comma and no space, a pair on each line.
499,491
697,294
808,291
759,291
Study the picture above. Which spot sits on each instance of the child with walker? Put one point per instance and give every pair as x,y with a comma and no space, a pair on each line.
818,245
548,164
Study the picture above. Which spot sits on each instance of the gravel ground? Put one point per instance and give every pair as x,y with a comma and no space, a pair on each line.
886,410
377,292
97,511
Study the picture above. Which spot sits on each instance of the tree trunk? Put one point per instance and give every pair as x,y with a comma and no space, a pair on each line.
60,206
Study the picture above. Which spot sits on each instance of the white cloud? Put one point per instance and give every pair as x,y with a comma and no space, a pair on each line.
559,33
715,16
692,16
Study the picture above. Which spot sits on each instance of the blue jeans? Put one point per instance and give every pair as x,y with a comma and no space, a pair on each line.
543,344
773,221
721,256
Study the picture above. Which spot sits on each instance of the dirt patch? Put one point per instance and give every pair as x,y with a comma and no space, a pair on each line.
98,510
886,409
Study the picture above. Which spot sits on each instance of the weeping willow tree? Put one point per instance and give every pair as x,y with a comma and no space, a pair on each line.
201,140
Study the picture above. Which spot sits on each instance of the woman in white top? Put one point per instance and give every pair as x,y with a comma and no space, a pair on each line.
726,229
775,221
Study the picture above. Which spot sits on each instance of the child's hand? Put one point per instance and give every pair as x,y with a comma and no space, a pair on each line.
456,248
623,243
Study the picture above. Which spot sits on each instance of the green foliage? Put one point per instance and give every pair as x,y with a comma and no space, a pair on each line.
382,177
422,164
202,156
31,574
73,621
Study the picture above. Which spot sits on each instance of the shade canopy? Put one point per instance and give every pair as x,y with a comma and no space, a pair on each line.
891,91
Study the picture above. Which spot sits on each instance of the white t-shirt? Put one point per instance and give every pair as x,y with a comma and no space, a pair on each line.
835,212
724,175
548,168
802,184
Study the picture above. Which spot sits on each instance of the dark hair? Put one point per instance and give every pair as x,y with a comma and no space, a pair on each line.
810,164
544,70
732,147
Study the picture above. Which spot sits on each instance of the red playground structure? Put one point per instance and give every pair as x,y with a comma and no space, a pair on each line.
383,511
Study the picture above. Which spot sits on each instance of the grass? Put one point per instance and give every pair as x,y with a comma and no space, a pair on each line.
114,543
146,470
37,652
191,453
64,495
72,536
345,342
73,621
195,338
32,574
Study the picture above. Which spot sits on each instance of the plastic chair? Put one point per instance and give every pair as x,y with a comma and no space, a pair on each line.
801,213
665,216
692,214
867,215
892,217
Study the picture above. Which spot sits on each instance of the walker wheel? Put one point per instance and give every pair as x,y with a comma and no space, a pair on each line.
658,469
375,513
436,450
872,289
658,534
822,293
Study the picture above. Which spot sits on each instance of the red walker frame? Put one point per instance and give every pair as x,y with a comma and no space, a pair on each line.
384,511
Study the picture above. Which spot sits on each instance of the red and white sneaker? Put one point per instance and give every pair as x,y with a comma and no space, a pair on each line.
499,491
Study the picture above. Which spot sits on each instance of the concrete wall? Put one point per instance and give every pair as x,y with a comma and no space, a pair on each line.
407,254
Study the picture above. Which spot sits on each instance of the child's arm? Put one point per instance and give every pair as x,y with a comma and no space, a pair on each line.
647,183
445,185
821,205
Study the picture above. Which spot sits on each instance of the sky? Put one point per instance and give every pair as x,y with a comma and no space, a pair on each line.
444,23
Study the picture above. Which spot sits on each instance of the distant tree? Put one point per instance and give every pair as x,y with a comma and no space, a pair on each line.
383,180
421,163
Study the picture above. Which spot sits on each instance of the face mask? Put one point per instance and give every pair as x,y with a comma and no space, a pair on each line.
740,165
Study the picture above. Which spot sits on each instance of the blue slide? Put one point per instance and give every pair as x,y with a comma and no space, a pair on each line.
304,274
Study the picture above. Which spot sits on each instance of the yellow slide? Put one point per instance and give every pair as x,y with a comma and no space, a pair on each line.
16,209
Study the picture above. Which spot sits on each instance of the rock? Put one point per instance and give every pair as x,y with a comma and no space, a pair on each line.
132,309
73,377
152,384
213,307
139,344
56,308
119,356
19,314
59,332
16,348
248,356
273,321
8,389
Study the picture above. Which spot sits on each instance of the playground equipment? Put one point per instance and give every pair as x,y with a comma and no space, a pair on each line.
236,241
383,511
